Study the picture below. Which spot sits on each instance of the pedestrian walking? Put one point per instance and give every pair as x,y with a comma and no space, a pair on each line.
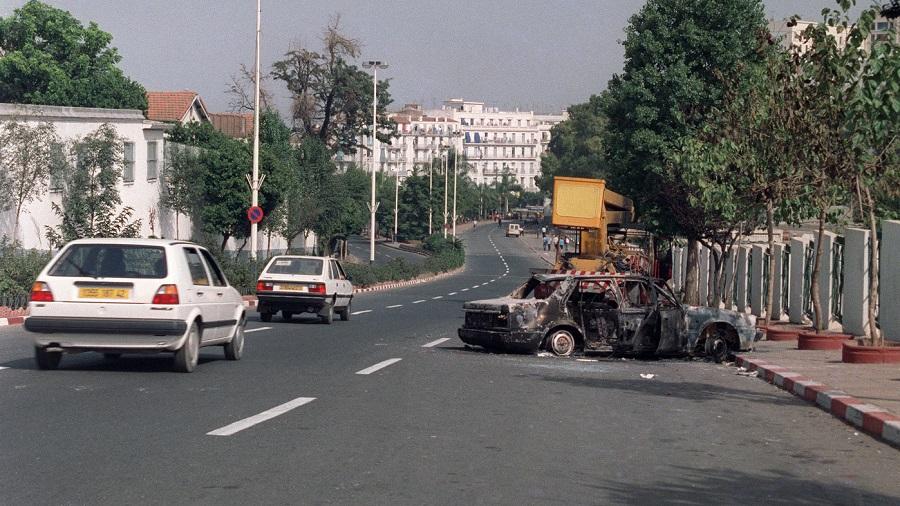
566,244
499,221
546,243
543,231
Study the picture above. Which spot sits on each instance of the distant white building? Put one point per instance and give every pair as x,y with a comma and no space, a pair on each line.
495,142
503,142
790,33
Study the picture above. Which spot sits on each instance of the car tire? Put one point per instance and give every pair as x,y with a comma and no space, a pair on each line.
265,317
112,356
286,315
561,343
47,360
186,356
345,313
234,349
716,347
328,317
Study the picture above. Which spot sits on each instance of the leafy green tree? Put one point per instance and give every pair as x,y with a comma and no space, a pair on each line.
181,189
675,51
576,145
91,200
28,155
332,98
48,57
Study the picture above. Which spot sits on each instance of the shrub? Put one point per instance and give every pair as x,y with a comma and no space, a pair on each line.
18,270
447,254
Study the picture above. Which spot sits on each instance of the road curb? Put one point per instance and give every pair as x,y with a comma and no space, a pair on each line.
12,320
871,419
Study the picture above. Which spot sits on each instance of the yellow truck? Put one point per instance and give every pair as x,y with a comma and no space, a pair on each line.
587,210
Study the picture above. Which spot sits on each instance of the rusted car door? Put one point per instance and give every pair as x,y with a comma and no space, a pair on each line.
598,307
638,317
672,326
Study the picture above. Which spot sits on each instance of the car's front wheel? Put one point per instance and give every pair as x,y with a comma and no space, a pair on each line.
234,349
186,356
47,360
562,343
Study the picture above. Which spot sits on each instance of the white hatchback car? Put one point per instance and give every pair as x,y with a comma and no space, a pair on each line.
304,284
134,295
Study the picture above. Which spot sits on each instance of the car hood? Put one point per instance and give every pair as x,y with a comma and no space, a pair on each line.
503,304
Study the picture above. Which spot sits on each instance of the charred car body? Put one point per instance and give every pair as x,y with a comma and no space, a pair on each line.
622,313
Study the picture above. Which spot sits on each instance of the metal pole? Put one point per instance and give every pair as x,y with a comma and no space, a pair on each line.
254,190
374,163
430,195
446,162
396,202
455,161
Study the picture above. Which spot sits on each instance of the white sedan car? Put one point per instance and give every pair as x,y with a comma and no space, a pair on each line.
304,284
134,295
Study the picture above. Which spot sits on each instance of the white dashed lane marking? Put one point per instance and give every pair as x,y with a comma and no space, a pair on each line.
464,290
436,342
451,293
395,306
262,417
419,301
438,297
379,366
361,312
258,329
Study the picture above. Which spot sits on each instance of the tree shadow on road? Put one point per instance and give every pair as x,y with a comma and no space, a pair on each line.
730,486
691,391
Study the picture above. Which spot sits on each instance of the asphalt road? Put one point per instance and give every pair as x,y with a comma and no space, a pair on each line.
434,424
359,247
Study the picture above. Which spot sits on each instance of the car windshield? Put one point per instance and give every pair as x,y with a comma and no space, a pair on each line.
111,261
298,266
535,289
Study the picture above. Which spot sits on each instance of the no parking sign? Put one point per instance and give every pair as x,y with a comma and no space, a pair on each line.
255,214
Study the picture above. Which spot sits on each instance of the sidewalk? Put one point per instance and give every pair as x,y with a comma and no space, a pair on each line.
536,245
864,395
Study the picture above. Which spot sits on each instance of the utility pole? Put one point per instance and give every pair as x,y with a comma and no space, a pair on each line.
396,202
255,182
430,196
455,161
446,161
374,65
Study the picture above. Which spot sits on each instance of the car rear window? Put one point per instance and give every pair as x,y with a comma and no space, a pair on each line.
111,261
299,266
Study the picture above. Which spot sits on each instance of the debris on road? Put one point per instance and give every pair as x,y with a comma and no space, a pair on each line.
648,376
742,371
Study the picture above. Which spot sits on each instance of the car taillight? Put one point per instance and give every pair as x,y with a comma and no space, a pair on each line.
40,292
317,288
263,286
167,294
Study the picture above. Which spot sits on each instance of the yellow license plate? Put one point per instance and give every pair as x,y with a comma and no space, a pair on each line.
104,293
290,288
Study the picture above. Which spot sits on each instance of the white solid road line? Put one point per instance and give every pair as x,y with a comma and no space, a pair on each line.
395,306
436,342
262,417
361,312
418,301
379,366
258,329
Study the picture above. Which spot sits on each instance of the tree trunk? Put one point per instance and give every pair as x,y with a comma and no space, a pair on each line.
770,225
819,320
877,338
290,242
176,226
692,276
224,242
718,261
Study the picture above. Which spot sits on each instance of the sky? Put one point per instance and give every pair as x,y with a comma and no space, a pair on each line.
540,55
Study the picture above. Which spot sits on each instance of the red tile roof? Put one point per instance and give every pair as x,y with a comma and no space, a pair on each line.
233,124
170,105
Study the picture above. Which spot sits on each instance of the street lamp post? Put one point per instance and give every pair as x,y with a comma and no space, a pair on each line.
374,65
396,201
255,182
446,162
430,195
455,162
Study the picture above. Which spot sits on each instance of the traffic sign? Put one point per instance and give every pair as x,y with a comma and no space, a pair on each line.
255,214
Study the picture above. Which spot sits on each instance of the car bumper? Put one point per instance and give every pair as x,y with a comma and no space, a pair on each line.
106,333
292,303
515,341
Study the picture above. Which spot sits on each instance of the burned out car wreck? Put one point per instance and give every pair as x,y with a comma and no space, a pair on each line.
623,313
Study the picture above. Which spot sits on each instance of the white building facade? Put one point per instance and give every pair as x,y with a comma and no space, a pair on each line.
495,142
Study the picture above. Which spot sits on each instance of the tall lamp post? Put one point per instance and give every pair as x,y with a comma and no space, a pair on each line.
455,172
396,201
374,65
430,196
445,159
255,183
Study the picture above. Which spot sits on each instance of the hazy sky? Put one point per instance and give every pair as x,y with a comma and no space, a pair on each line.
533,54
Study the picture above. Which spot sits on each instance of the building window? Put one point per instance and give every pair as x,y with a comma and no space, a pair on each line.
152,168
128,174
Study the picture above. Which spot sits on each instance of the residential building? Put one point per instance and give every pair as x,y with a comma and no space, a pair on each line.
502,142
237,125
176,107
790,33
143,147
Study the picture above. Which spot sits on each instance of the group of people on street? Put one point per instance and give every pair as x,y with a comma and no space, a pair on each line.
558,242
